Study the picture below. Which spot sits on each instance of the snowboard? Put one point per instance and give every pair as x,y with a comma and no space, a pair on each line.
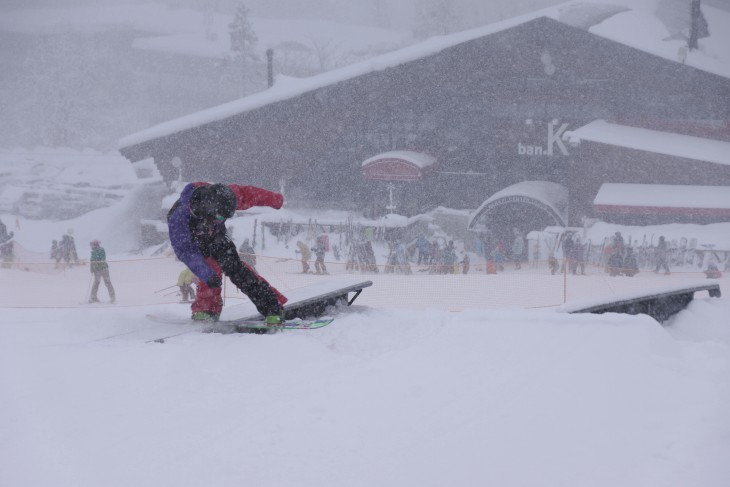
243,326
259,327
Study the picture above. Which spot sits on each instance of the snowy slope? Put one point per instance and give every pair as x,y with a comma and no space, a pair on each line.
380,397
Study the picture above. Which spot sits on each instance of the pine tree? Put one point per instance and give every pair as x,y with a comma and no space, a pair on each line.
243,37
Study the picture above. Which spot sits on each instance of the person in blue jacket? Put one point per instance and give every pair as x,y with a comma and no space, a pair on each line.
196,224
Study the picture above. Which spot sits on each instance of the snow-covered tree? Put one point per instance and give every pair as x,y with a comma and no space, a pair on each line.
243,63
243,36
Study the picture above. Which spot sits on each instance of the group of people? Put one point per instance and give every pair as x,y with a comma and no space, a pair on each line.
320,248
65,250
574,252
361,256
495,253
622,260
440,260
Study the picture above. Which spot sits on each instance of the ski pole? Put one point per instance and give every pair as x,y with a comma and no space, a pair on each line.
166,288
88,288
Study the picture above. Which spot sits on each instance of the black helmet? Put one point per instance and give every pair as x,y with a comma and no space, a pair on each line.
213,201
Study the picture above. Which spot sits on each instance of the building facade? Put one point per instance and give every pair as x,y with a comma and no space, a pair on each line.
492,111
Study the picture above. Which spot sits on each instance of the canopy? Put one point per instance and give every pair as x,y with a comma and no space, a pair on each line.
548,200
397,166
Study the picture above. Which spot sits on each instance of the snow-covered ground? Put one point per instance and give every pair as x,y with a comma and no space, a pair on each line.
426,380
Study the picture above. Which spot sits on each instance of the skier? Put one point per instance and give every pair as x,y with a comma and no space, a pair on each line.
615,264
713,271
67,248
100,269
198,236
4,235
631,267
661,252
319,250
518,249
247,253
185,281
423,247
465,263
450,260
6,245
306,255
576,257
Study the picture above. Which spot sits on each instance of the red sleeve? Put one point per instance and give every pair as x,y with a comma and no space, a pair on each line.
249,196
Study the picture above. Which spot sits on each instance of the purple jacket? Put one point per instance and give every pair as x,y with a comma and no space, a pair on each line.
178,223
182,225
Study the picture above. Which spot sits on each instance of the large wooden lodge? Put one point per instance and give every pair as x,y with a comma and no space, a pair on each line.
497,112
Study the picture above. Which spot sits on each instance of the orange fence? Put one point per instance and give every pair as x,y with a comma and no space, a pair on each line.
150,281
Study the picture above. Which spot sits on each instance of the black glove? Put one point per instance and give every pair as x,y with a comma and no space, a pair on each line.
214,281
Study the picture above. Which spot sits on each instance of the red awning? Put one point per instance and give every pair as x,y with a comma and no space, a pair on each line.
397,166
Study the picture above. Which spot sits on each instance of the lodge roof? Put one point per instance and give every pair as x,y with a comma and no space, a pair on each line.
662,196
585,15
667,143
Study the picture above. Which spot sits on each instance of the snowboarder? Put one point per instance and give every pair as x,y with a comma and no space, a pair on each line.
197,230
100,269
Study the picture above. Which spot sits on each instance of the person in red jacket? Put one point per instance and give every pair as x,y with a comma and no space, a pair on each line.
196,224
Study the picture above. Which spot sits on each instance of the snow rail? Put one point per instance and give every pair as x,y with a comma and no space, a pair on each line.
660,306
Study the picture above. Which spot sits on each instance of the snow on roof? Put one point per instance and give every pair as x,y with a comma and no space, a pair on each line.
552,195
663,196
629,22
418,159
668,143
287,87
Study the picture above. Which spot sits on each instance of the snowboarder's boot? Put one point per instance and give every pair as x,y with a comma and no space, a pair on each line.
205,316
275,320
